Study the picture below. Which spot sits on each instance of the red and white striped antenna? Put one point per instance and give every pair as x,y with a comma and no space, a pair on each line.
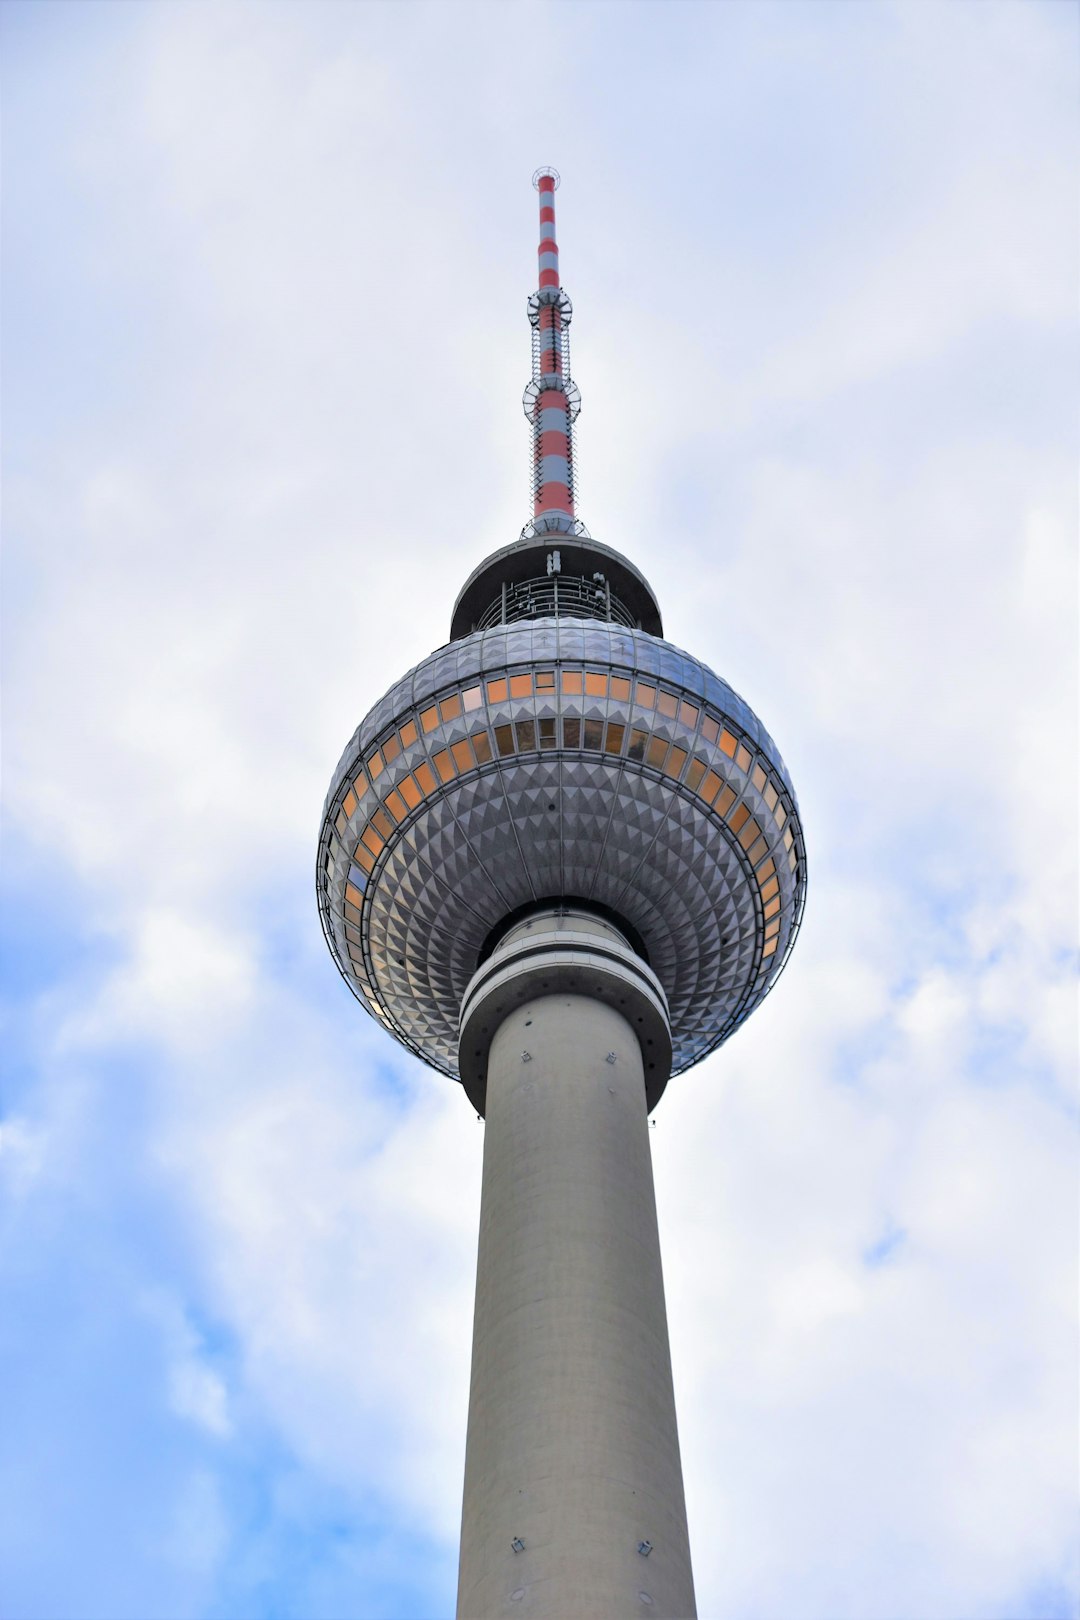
551,400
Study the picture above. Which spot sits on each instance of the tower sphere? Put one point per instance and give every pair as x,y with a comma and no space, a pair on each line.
561,756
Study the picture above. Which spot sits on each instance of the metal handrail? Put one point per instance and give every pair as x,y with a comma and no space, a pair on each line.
556,596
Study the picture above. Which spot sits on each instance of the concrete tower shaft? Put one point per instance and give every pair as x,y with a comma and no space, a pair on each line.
573,1502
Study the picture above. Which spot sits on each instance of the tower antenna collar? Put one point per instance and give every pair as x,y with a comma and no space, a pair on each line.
546,174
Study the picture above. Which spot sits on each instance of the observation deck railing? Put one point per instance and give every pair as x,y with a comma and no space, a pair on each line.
554,597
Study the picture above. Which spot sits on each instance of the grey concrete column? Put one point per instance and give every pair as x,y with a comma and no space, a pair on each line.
573,1504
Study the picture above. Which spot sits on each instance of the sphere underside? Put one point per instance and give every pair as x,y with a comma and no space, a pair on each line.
560,759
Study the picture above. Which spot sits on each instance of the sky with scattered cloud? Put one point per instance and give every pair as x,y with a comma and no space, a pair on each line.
264,333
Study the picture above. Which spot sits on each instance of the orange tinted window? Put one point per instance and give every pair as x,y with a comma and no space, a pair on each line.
571,681
450,707
772,927
614,739
770,888
773,906
444,765
595,685
374,764
348,803
571,733
694,774
725,801
766,870
676,761
770,945
372,840
396,805
464,757
545,680
382,823
710,787
360,785
426,778
750,831
757,850
408,734
688,714
781,815
742,758
709,729
646,695
737,817
727,744
391,748
592,734
521,686
364,858
497,691
482,746
657,752
668,704
620,689
353,895
430,718
410,792
341,821
504,739
758,778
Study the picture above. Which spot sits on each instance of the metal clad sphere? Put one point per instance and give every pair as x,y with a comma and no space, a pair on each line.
560,758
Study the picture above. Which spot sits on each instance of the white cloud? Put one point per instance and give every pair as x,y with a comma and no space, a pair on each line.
21,1155
196,1389
199,1533
872,1291
185,982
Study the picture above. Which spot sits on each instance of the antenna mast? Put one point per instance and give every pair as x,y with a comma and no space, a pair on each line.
551,400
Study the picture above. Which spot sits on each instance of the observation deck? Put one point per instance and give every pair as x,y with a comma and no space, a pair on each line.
560,760
555,575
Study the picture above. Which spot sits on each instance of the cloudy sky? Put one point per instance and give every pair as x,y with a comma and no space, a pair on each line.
264,279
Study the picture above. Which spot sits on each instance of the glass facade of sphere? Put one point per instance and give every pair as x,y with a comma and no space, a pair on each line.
560,759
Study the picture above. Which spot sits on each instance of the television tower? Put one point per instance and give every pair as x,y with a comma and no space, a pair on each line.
560,861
